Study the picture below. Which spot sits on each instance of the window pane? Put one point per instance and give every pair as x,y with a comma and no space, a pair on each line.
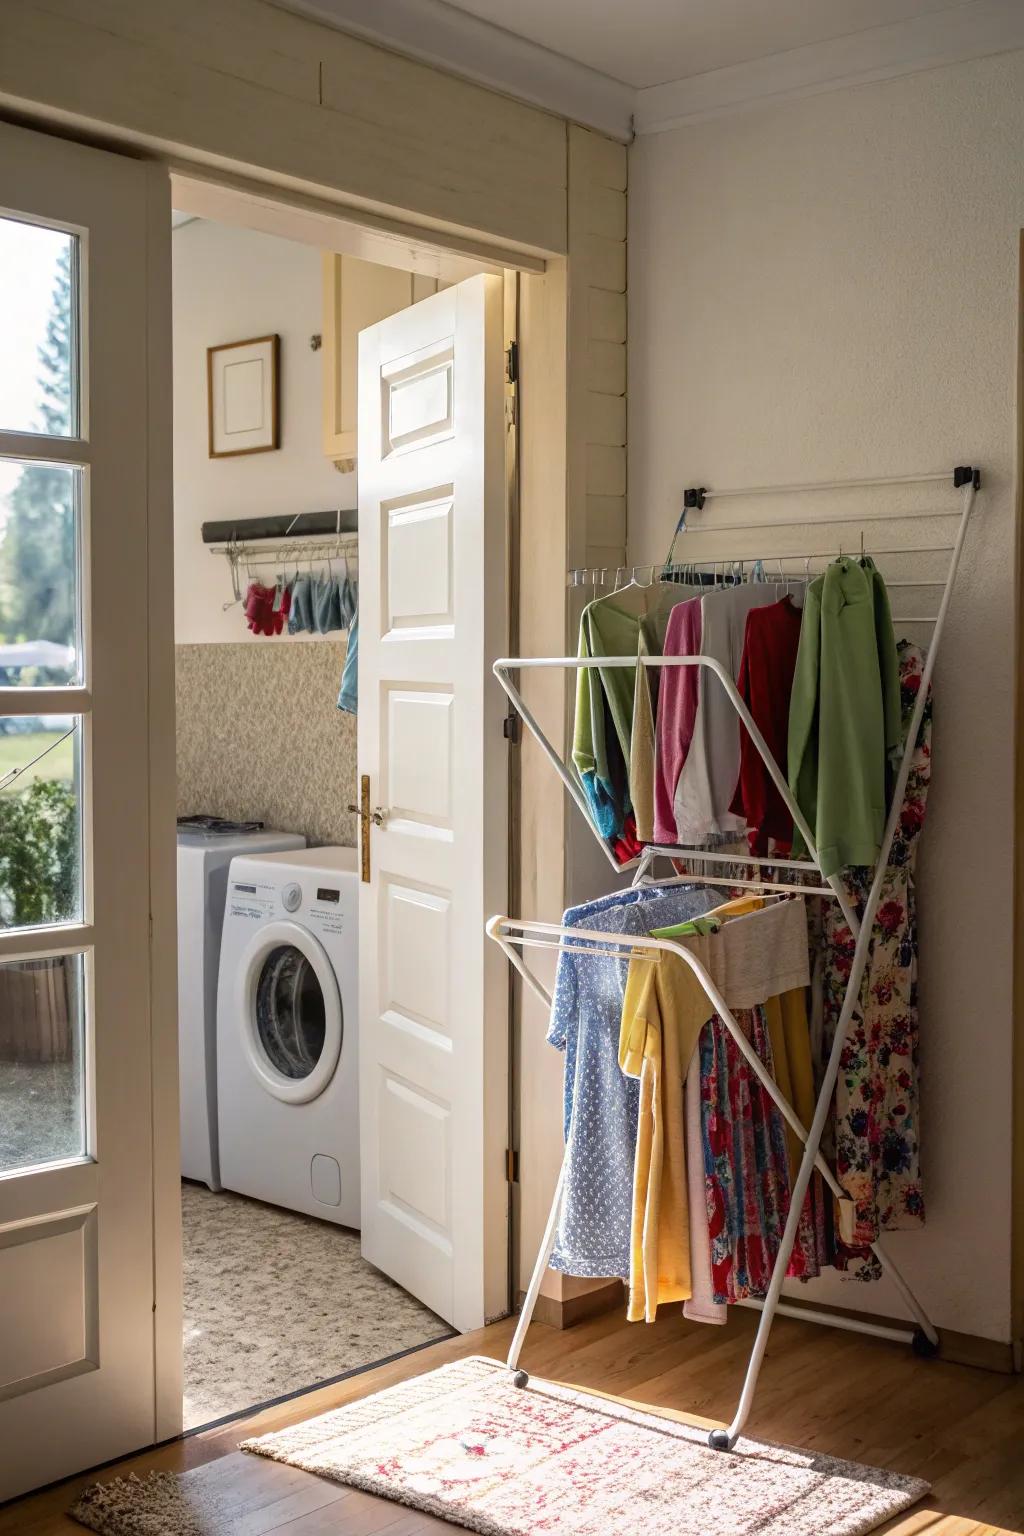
42,1117
40,820
39,327
39,596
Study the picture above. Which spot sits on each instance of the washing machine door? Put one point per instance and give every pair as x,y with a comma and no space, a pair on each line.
289,1012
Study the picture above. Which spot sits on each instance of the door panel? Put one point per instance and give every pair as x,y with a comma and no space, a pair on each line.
76,1126
433,1005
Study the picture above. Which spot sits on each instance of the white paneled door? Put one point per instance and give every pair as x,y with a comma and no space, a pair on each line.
78,232
433,616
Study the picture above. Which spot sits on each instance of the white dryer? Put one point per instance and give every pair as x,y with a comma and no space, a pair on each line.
287,1031
205,851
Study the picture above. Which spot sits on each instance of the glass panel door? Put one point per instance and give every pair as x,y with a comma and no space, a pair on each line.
77,1292
43,1078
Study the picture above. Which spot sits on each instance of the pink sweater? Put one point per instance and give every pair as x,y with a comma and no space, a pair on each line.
678,693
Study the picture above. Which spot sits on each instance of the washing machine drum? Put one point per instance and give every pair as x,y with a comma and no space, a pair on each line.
291,1017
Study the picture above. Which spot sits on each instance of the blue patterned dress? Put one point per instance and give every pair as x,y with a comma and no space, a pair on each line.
600,1102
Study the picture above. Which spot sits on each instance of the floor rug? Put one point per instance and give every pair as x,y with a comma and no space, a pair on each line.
464,1444
276,1302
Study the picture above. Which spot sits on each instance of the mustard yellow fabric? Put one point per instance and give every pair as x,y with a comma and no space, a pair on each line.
790,1035
662,1016
663,1011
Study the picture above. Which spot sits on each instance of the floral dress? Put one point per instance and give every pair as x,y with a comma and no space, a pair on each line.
745,1166
877,1127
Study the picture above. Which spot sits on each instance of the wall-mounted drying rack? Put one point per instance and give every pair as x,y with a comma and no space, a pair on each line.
515,934
276,542
298,525
779,565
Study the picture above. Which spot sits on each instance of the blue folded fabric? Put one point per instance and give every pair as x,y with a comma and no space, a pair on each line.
326,606
300,614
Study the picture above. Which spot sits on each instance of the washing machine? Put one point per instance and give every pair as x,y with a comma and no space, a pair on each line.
206,846
287,1031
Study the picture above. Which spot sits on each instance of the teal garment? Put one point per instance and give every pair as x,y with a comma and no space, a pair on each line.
348,695
844,714
605,696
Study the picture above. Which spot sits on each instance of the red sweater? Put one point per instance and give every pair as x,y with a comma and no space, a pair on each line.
765,683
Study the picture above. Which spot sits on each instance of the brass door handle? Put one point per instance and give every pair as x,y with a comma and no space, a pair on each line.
377,817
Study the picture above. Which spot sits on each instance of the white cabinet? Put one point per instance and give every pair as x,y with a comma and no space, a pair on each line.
356,294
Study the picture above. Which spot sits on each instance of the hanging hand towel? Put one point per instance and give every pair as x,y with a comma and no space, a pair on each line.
300,619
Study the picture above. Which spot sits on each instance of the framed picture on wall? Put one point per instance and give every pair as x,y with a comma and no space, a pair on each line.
243,396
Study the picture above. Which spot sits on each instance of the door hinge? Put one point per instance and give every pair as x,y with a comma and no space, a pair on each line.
511,1166
510,728
512,363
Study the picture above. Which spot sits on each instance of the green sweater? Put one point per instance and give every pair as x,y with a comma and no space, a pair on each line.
622,624
844,714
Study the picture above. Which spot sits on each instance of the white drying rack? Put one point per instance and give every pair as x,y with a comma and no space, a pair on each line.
514,934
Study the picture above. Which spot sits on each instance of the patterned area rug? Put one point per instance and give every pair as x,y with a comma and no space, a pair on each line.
276,1302
463,1443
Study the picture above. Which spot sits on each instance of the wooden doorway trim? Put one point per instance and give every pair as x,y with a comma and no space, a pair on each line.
1017,1171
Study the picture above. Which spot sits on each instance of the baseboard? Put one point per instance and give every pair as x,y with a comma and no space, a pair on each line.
969,1349
555,1313
959,1348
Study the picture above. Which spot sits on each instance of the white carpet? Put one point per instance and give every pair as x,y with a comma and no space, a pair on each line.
276,1302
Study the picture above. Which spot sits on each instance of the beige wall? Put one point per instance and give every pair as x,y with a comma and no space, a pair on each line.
229,284
829,288
242,84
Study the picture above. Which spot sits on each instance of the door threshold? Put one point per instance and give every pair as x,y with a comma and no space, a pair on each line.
328,1381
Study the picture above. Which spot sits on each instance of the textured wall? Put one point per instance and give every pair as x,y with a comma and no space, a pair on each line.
829,288
260,737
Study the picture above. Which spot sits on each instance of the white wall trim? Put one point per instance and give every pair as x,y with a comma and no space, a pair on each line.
439,34
966,31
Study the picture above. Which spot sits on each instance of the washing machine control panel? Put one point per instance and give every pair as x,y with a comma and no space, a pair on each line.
291,897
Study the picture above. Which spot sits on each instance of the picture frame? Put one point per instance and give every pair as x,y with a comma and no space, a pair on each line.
243,397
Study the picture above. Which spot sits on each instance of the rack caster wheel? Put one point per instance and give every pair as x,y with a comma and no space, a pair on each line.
521,1379
719,1440
923,1346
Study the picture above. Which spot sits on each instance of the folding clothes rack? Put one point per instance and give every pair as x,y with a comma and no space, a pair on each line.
514,934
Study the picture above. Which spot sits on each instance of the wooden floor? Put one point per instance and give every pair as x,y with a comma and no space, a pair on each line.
961,1428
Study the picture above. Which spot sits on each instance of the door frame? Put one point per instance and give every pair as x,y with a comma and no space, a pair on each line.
315,222
1017,1084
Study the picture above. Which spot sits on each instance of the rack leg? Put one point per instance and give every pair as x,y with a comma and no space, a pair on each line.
926,1340
546,1249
